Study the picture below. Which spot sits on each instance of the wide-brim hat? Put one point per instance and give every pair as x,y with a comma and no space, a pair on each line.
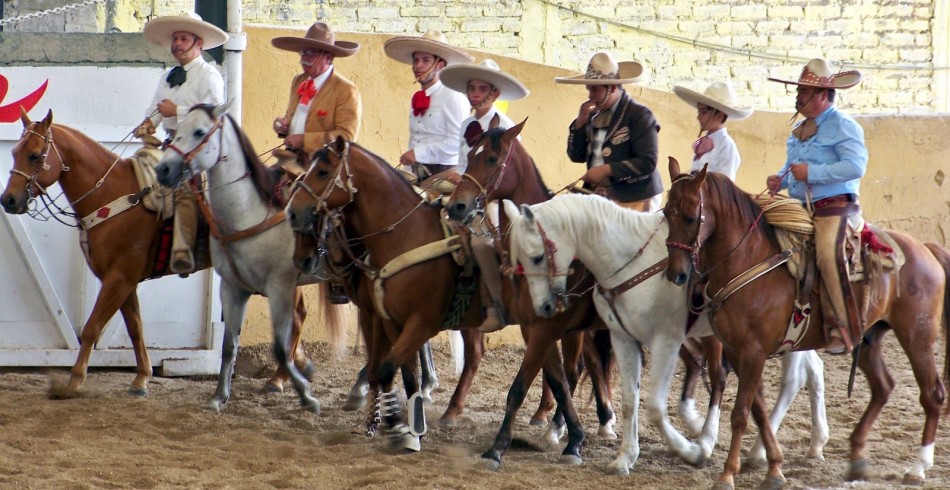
819,74
400,48
319,36
160,30
719,95
456,77
603,69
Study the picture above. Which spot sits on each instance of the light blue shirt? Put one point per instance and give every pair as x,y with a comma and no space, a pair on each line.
836,156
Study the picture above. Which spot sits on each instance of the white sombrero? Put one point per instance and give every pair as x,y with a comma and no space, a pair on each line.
159,30
719,96
818,73
603,69
456,77
433,42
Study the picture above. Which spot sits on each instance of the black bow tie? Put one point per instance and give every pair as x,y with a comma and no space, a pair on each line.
176,77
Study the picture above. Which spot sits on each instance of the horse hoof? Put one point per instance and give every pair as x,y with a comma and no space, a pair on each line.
859,470
312,406
722,486
606,433
772,482
538,422
138,392
354,403
570,459
815,454
448,422
912,481
213,405
489,464
273,387
309,370
618,469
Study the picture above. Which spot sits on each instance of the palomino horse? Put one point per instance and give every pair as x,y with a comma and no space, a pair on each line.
500,168
390,219
252,243
715,226
624,250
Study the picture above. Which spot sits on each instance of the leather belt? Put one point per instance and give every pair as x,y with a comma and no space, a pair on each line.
840,198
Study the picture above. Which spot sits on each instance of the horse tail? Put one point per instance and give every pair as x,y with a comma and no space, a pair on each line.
334,318
457,348
943,256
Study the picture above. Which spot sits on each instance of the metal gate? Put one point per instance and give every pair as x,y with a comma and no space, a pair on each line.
48,290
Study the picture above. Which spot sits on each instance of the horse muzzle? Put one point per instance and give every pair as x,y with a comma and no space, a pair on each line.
14,203
301,219
169,175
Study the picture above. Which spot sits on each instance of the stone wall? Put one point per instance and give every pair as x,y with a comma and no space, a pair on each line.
896,44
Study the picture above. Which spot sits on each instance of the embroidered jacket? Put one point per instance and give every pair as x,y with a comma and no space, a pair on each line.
336,110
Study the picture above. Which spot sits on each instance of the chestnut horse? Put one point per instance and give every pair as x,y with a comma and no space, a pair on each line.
500,168
390,219
252,243
123,250
715,226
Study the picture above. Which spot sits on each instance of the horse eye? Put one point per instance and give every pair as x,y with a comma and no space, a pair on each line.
493,160
537,259
323,172
34,157
199,133
689,220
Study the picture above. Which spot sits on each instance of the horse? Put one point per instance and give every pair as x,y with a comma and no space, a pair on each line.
498,168
624,251
121,251
716,226
386,215
252,243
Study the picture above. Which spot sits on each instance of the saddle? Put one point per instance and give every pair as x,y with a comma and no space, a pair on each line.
158,198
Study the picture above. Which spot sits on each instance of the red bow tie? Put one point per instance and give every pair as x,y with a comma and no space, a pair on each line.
306,90
702,146
420,103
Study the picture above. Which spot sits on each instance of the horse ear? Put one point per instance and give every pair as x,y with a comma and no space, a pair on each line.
674,168
339,144
495,121
513,132
511,209
25,118
701,175
528,213
222,109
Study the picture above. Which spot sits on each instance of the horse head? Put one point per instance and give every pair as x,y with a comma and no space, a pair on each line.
686,216
32,171
323,187
484,178
534,252
193,150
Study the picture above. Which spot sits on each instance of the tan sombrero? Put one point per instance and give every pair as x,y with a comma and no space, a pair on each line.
319,36
401,48
456,77
159,30
603,69
719,96
818,73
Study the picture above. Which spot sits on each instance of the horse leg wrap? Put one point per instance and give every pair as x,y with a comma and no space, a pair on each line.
415,408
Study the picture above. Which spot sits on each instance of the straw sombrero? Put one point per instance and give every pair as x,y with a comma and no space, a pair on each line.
818,73
401,48
719,96
159,30
456,77
603,69
319,36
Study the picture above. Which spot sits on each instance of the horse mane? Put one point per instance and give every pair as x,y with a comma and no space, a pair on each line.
494,138
84,138
380,161
264,180
739,203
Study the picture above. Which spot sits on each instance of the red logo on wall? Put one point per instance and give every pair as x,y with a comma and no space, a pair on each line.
11,112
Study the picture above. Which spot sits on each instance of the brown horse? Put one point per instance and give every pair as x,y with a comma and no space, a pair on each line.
715,226
389,219
500,168
123,250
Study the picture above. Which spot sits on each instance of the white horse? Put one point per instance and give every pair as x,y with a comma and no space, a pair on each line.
616,244
252,245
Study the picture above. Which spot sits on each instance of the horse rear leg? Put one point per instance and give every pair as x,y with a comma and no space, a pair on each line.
557,379
663,356
691,355
234,303
303,363
597,358
282,313
715,367
572,347
114,292
474,342
630,362
430,377
413,336
360,389
133,324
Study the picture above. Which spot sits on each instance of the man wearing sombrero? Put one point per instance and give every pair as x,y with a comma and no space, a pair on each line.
193,81
826,158
715,149
435,119
483,84
323,104
615,136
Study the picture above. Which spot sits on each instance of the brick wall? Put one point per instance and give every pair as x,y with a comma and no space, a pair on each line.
690,42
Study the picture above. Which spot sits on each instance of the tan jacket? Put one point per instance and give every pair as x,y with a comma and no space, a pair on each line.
336,110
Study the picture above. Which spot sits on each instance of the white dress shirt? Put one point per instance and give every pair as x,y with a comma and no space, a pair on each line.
434,136
723,158
504,122
203,85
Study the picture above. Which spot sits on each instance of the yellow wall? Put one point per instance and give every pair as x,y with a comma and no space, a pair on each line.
910,155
